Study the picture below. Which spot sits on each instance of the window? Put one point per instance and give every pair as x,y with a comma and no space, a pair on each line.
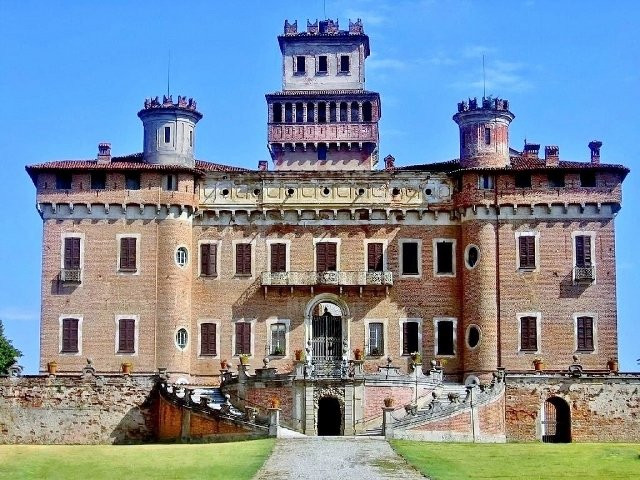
376,339
277,112
243,259
132,181
473,336
322,152
98,180
487,136
208,345
344,109
375,258
278,257
527,252
182,256
587,179
126,335
344,63
171,183
167,134
70,335
523,180
243,338
528,334
556,179
410,258
209,260
583,250
288,112
367,111
72,253
485,181
322,112
444,257
326,257
278,339
445,337
300,65
322,64
310,112
332,111
182,338
63,181
299,113
410,342
191,138
128,254
472,255
585,334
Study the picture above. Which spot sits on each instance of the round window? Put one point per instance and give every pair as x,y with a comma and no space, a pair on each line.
182,256
472,256
182,337
473,336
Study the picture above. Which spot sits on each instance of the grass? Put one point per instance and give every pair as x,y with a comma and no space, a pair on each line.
522,461
225,461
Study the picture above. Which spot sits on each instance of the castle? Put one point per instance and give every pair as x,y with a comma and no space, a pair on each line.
326,265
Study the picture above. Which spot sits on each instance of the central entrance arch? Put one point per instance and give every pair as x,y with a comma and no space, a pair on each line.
327,331
557,421
329,416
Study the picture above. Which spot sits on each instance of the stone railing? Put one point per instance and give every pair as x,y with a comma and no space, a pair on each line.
342,278
584,274
326,132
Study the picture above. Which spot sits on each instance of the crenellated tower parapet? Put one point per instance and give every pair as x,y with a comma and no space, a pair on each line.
484,132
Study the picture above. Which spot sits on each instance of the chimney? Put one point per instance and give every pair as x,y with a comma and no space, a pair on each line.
104,152
551,155
263,165
389,162
594,146
531,150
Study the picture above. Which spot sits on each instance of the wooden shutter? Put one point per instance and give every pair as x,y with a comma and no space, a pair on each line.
243,259
583,251
243,338
69,335
208,339
321,257
126,335
527,245
72,253
585,333
374,257
528,334
208,259
128,254
405,338
278,257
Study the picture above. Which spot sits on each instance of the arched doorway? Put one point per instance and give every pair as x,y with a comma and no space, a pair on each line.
556,425
329,416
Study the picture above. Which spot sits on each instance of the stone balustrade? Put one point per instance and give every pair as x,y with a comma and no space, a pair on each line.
341,278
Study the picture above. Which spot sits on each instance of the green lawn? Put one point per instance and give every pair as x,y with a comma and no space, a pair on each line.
225,461
522,461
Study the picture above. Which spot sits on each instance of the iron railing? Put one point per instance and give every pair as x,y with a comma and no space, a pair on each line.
584,274
70,275
357,278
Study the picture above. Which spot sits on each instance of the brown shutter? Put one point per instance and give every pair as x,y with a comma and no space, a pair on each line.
239,337
374,257
332,257
585,333
278,257
528,333
246,340
405,338
126,335
580,251
587,250
72,253
243,259
208,339
527,251
213,259
205,253
128,253
321,257
70,335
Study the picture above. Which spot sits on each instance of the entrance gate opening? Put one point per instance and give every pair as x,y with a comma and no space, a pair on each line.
326,331
557,421
329,416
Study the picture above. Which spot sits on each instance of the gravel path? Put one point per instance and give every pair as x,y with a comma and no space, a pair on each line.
329,458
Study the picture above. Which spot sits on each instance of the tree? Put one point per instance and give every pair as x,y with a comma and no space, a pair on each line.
8,353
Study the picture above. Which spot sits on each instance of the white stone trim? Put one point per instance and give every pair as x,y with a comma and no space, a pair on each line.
586,233
138,238
436,321
218,244
528,233
175,256
417,320
453,243
218,325
253,322
80,319
594,316
385,245
466,336
251,242
287,243
336,240
466,255
79,235
136,321
175,339
538,316
287,329
385,335
401,242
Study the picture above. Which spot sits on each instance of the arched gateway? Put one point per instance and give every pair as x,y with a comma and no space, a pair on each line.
556,423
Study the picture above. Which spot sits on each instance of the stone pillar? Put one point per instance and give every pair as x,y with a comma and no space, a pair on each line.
315,112
309,411
360,111
358,406
274,422
348,409
304,112
185,426
387,423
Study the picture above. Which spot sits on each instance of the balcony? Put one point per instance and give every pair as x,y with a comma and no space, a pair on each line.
584,274
339,279
325,132
70,275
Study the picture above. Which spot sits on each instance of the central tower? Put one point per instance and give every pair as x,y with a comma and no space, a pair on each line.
323,118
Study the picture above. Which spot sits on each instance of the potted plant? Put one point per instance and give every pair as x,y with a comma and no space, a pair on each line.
274,402
299,354
538,364
612,364
52,367
126,368
388,402
244,359
416,358
357,354
278,352
224,364
375,352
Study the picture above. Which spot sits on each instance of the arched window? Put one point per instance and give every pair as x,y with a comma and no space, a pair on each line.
322,112
344,116
310,112
366,111
355,112
288,113
277,112
332,112
299,113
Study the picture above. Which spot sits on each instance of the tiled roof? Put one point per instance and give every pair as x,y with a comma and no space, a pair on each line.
446,166
217,167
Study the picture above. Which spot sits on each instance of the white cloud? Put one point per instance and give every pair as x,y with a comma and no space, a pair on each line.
16,314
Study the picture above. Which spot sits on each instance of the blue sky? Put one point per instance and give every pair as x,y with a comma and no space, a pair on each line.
73,74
